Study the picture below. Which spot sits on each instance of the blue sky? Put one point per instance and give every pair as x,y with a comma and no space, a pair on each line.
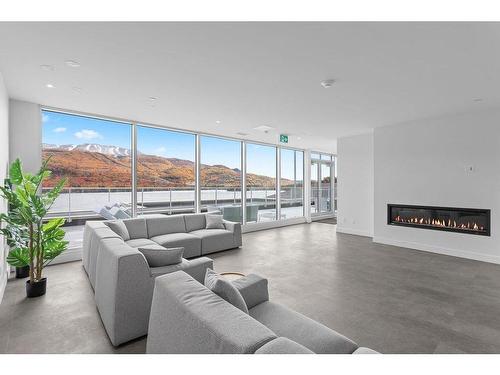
60,128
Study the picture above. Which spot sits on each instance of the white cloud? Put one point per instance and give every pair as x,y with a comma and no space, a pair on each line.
87,134
59,130
45,118
160,151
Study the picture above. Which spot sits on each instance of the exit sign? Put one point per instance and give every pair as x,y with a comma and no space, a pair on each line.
283,138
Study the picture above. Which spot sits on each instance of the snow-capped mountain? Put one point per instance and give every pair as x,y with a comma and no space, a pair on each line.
91,147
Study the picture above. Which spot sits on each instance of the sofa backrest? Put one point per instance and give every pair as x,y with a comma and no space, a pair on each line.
195,222
186,317
165,225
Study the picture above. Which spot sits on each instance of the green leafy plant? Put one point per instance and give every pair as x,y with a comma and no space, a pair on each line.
33,240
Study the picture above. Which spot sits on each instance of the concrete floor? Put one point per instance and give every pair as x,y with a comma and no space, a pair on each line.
391,299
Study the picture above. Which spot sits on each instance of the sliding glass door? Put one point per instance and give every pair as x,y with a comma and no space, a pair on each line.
322,193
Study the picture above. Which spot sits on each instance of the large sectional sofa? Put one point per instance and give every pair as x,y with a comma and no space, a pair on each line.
187,317
123,281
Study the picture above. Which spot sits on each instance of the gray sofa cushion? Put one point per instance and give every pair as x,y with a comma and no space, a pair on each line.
186,317
195,222
118,226
305,331
282,345
165,225
363,350
158,256
213,240
224,289
190,243
138,242
136,228
215,222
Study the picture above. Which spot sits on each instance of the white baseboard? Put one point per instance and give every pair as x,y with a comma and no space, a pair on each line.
438,250
69,255
356,232
253,227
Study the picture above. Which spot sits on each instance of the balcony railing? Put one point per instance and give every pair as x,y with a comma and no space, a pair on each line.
85,202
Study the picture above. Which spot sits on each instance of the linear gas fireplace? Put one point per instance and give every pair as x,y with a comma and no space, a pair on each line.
451,219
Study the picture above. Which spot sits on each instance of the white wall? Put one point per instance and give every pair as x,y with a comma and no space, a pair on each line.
355,184
4,162
25,134
424,163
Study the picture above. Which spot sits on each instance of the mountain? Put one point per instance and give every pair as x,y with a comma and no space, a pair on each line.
91,147
91,165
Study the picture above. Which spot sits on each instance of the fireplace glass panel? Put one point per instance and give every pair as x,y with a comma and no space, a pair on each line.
463,220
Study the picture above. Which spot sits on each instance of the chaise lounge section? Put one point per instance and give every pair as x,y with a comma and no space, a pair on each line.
188,318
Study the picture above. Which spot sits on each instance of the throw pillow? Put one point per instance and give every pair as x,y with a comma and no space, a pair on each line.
225,289
215,222
158,256
119,228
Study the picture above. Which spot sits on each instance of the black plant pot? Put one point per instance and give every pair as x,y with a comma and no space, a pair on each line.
36,289
22,272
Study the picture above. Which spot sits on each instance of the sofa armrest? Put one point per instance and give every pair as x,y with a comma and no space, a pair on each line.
123,291
197,268
235,228
253,288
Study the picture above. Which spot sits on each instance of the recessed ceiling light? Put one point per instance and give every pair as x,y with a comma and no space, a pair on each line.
77,90
72,63
217,122
327,83
242,134
47,68
49,86
152,98
477,100
299,138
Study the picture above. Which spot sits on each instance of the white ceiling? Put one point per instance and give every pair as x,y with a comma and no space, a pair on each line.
252,74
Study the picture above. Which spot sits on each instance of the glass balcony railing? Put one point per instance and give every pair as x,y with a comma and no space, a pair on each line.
86,203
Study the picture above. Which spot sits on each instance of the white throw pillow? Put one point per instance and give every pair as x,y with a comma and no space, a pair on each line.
215,222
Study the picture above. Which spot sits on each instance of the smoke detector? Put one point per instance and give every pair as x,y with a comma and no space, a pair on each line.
327,83
264,128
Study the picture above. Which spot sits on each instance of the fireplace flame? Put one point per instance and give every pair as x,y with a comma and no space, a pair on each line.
439,223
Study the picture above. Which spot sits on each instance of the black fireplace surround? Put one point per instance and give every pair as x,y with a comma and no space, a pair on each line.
452,219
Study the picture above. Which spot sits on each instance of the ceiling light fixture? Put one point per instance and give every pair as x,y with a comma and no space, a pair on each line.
47,68
242,134
72,63
77,90
218,122
152,99
49,86
477,100
327,83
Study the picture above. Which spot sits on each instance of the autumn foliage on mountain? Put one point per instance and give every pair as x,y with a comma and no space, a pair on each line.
99,170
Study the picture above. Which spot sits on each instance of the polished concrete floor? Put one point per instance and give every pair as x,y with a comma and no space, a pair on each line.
391,299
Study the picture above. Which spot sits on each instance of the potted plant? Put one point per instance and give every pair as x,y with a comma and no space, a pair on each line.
34,241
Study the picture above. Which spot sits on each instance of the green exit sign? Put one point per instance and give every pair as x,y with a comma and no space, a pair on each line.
283,138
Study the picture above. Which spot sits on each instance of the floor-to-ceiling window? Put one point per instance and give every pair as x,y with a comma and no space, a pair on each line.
220,177
94,154
260,183
292,183
165,171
